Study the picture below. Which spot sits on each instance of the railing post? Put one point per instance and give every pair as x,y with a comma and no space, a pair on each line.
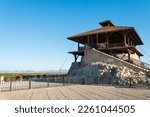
97,80
30,82
63,81
130,82
85,80
112,80
48,80
10,84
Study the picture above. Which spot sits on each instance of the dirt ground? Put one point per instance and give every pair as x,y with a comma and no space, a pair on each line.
78,92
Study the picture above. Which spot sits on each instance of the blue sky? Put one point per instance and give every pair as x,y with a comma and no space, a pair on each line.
33,32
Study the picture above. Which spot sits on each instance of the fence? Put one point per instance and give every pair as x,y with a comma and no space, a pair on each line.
31,83
126,82
34,82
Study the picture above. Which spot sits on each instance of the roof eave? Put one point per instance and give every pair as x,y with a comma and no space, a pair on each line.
81,35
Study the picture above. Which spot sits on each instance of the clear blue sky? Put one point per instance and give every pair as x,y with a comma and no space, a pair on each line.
33,32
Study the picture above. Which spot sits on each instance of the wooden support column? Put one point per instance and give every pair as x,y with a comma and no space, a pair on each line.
96,38
75,58
131,44
88,40
107,40
129,53
128,40
92,41
125,37
78,46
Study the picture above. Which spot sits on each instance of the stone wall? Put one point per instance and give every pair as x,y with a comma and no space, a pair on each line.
90,72
97,64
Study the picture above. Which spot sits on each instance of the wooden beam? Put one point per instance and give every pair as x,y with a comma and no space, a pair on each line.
132,37
135,38
110,34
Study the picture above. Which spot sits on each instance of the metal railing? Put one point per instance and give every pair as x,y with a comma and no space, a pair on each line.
140,63
31,83
126,82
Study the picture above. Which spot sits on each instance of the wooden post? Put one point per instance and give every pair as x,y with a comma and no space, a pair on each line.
128,41
124,33
48,80
107,40
10,84
97,38
30,82
75,57
63,81
128,55
97,80
113,75
88,40
85,80
92,42
130,82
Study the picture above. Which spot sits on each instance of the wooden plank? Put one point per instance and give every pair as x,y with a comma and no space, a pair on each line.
78,92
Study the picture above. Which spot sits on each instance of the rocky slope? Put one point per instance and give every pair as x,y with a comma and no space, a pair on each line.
99,69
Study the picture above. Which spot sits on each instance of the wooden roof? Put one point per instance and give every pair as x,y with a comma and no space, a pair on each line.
108,26
106,23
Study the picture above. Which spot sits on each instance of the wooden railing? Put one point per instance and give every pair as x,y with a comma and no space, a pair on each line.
101,45
105,45
116,45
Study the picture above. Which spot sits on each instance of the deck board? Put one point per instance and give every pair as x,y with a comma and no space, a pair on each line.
78,92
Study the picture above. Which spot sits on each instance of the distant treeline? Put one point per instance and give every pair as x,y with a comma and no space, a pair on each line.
16,76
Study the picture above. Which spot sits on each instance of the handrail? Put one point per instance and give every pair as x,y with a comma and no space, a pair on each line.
140,63
111,45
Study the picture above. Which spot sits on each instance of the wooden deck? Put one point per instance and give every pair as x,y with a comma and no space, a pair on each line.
78,92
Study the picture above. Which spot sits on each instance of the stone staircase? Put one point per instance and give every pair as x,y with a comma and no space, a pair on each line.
93,55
